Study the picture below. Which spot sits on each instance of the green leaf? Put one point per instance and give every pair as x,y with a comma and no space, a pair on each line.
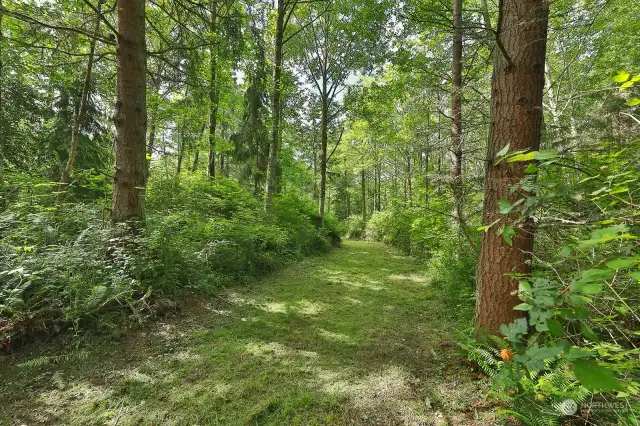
529,156
576,352
620,263
555,328
595,377
508,235
632,102
625,86
522,307
531,169
485,228
588,332
635,275
620,77
504,206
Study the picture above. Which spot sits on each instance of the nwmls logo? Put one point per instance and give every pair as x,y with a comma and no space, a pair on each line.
568,407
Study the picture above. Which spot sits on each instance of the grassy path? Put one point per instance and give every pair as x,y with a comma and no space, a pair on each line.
352,337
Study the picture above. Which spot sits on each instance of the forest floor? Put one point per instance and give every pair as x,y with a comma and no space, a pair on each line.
356,336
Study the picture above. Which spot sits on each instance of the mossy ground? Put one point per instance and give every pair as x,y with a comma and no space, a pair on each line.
357,336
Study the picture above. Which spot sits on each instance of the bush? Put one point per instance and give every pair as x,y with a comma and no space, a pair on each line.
65,266
355,227
413,230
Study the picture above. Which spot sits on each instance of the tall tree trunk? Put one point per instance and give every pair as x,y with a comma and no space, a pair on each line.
213,90
410,190
364,194
426,177
516,118
456,113
78,118
152,141
129,175
181,150
272,164
2,120
324,136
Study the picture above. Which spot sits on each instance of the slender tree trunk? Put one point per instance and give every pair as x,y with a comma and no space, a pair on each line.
364,194
181,150
456,113
324,136
272,164
213,90
426,177
516,118
409,179
129,176
316,196
78,118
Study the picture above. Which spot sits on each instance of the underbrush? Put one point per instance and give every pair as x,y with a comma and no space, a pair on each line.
63,266
413,230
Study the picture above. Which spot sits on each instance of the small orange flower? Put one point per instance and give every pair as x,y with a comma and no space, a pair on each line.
506,354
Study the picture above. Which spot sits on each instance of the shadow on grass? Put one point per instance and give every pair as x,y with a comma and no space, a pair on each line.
347,338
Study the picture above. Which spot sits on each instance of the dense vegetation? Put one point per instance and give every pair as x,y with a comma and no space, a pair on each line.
155,151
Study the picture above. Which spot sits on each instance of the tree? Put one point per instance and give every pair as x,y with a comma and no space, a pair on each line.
456,113
78,117
129,175
516,120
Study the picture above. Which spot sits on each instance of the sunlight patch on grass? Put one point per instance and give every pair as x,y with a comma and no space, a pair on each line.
275,307
361,285
352,300
412,278
272,350
305,307
388,391
336,337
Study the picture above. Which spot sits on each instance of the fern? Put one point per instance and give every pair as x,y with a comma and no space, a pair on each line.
485,357
56,359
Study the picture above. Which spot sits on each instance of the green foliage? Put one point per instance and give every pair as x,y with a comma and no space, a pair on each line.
64,266
356,227
413,230
579,339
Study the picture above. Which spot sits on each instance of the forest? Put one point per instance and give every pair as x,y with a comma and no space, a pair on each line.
319,212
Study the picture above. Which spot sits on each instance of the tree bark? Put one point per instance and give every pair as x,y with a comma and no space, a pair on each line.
272,164
129,176
78,118
516,118
213,90
456,113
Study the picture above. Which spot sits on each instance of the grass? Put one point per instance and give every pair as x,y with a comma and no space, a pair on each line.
356,336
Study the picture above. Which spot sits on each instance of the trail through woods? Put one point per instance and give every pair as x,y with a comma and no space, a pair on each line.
357,336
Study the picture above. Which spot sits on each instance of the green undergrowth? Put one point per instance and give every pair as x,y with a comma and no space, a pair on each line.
354,336
63,266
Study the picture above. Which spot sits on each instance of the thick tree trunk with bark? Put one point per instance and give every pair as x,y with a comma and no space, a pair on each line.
272,164
78,118
213,90
516,119
129,176
455,151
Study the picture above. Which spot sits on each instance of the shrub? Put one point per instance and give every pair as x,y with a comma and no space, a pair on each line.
355,227
65,266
